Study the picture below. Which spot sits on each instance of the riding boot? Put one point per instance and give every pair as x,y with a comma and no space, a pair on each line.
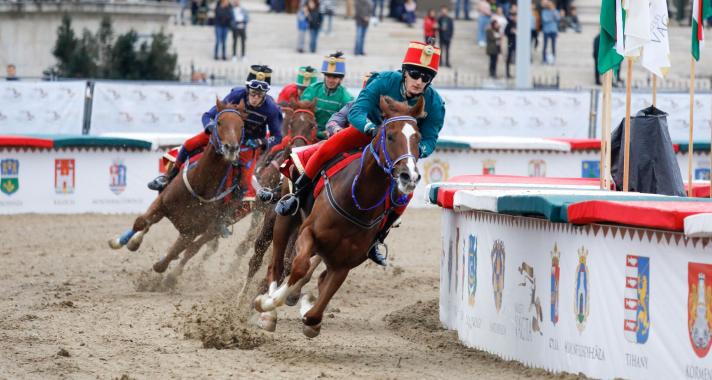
374,253
291,202
160,182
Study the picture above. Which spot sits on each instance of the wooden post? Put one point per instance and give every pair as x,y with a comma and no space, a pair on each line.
604,166
626,157
655,89
692,125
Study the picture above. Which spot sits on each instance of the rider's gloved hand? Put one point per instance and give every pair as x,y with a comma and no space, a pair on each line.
254,143
209,127
370,129
421,149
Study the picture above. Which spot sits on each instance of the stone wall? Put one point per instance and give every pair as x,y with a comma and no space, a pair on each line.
28,30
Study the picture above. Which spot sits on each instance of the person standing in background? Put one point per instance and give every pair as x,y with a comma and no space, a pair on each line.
465,5
302,27
363,15
493,47
239,28
409,16
378,4
483,20
446,29
550,26
223,22
314,20
430,26
596,75
327,12
511,32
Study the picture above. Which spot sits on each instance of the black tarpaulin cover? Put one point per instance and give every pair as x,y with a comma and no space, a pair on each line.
653,167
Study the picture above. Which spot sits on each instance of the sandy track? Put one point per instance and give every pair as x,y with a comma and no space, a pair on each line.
70,307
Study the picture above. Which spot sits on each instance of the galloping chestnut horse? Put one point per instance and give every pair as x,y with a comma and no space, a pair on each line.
301,130
195,202
348,213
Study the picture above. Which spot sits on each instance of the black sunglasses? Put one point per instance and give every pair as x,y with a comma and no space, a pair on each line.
417,74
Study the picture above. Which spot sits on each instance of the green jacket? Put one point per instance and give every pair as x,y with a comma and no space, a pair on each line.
327,103
366,112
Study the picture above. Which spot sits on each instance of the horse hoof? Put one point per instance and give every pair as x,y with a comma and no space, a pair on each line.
115,244
170,281
293,299
268,321
135,242
159,267
311,331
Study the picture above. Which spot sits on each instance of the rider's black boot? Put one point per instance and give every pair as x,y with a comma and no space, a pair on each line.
160,182
374,253
291,202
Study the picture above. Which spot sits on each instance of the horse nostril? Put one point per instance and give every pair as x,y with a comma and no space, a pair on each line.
404,177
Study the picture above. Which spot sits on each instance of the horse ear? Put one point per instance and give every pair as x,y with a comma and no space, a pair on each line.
417,109
385,103
219,105
241,108
292,101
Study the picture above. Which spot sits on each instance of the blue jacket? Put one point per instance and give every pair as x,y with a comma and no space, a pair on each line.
366,111
268,115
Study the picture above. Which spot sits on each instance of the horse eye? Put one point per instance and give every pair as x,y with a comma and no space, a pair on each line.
390,137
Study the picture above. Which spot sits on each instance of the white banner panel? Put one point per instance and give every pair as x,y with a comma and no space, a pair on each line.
677,105
607,302
152,108
76,181
41,107
516,113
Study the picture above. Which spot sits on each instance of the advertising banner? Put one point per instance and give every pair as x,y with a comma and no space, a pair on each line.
606,301
41,107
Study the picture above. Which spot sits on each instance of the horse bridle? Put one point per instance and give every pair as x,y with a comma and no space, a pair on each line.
215,135
387,165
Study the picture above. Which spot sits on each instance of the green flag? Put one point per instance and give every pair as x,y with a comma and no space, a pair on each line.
701,10
608,58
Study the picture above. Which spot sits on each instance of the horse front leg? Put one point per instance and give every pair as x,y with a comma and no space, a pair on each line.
191,250
302,269
133,238
180,244
331,283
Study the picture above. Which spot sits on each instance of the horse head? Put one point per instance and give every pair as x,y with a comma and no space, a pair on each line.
303,127
399,137
229,130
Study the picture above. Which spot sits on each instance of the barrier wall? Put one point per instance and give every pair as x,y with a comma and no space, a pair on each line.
59,181
607,301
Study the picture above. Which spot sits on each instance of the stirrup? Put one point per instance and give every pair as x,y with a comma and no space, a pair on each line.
267,195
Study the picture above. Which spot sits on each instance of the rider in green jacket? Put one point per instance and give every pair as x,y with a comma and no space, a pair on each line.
331,95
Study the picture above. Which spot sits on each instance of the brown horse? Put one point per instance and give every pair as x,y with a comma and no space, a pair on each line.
299,129
339,230
195,204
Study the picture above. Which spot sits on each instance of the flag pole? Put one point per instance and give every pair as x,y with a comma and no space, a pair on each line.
655,89
605,128
626,158
692,112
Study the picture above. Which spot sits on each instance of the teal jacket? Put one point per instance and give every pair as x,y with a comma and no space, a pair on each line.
366,112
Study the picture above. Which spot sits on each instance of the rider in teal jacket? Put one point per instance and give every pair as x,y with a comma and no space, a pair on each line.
365,114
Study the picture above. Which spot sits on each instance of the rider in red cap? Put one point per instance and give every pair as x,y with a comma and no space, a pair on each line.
420,66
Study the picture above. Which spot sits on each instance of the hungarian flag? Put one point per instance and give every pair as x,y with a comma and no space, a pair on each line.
608,57
701,9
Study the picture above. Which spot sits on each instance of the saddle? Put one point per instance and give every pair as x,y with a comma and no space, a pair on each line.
299,159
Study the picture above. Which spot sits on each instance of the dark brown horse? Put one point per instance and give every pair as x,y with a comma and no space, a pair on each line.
195,202
300,131
347,214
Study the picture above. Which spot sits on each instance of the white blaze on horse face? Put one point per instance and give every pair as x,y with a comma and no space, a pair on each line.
409,131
